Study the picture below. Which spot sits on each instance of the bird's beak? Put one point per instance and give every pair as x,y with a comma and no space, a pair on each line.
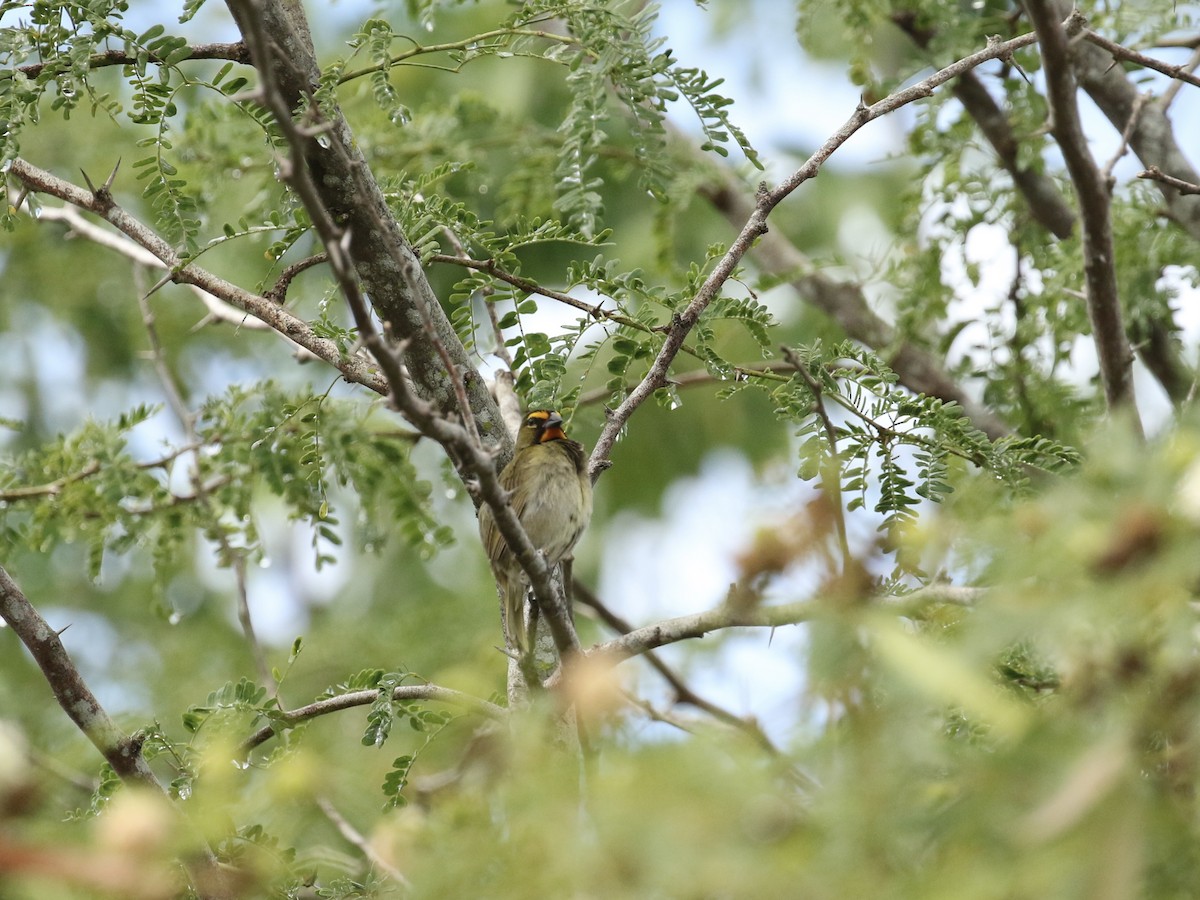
552,429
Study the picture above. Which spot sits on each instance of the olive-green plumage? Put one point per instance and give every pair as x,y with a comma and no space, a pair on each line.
551,494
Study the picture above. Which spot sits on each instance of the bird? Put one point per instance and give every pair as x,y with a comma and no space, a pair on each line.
550,492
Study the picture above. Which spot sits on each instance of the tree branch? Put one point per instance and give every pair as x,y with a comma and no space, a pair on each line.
1103,303
682,628
1181,73
353,368
1152,138
293,717
845,303
235,52
355,837
121,751
683,693
1041,193
1154,173
756,225
386,267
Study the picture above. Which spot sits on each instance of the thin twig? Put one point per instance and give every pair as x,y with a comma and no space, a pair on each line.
353,368
355,837
1168,96
187,419
238,561
169,385
279,289
1123,147
1181,73
772,371
287,719
831,469
683,693
1154,173
472,42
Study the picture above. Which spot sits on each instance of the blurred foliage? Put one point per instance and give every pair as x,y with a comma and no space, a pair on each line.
1038,740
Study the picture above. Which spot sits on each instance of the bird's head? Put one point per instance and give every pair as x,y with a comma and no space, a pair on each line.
540,426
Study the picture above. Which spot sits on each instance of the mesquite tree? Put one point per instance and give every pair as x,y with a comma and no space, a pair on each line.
276,287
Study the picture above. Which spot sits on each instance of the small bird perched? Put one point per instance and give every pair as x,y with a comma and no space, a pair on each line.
551,493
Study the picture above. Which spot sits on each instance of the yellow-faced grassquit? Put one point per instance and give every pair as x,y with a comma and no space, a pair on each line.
551,494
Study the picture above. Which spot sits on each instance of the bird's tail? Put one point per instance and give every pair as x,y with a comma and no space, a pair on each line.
516,626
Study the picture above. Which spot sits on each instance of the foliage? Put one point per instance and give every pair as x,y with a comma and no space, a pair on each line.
995,686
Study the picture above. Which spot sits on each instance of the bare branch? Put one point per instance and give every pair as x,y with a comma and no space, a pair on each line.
682,628
1154,173
1181,73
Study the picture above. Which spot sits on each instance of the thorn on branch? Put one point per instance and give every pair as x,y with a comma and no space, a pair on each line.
103,194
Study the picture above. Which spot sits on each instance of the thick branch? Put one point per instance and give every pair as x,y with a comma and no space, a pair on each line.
121,751
1104,304
388,270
